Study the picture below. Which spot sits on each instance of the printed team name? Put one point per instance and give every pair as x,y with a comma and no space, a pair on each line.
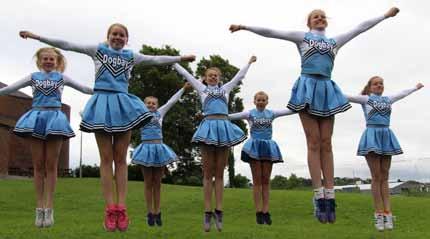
321,45
262,121
46,84
382,105
115,61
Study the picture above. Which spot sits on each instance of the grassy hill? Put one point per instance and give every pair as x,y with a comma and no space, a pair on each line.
79,214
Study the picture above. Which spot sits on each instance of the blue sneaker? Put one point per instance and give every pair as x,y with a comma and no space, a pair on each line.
320,210
207,221
331,210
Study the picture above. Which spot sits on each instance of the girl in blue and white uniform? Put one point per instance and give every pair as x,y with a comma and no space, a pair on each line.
317,98
112,112
153,155
378,143
215,134
45,126
261,152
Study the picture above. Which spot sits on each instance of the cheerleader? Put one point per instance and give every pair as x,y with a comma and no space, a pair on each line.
153,155
261,152
215,134
378,144
317,98
45,126
111,113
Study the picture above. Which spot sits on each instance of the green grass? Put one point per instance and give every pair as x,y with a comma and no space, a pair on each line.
79,213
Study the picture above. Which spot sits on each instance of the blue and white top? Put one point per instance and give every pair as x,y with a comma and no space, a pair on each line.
260,122
112,67
377,108
153,130
47,88
316,50
213,98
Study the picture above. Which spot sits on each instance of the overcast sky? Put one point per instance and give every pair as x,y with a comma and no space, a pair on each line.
397,49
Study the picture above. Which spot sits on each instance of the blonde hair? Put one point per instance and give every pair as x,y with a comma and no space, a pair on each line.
308,22
117,25
150,98
366,89
61,60
213,68
261,93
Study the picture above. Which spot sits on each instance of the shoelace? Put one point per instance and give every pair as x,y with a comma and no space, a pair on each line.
110,215
121,214
208,217
321,205
40,214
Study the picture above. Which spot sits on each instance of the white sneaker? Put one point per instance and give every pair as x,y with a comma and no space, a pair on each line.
388,222
379,222
48,219
39,217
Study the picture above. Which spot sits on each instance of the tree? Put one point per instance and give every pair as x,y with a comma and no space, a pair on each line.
279,182
235,103
240,181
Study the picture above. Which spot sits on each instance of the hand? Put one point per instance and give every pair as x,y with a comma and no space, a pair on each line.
392,12
27,34
187,86
419,86
199,116
235,28
252,59
189,58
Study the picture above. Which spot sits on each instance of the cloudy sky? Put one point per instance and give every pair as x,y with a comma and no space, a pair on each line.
396,49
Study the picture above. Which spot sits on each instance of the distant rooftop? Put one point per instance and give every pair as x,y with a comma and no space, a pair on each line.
17,93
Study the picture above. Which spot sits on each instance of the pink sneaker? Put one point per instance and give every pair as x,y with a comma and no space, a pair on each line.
122,218
110,224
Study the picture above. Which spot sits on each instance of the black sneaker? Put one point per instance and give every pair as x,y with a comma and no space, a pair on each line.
157,218
331,210
150,219
207,221
218,215
266,218
320,210
259,217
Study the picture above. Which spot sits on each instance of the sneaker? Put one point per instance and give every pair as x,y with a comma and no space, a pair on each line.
379,222
218,219
122,218
157,218
48,217
388,221
110,224
207,221
259,217
38,222
320,210
266,218
150,219
331,210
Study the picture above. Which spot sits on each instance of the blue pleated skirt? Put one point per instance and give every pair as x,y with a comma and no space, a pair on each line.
114,112
318,95
44,123
219,133
262,150
380,140
153,155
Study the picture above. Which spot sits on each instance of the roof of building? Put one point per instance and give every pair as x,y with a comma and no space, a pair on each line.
17,93
368,186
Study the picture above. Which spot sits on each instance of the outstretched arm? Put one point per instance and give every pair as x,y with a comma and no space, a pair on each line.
239,116
16,86
198,85
283,112
159,60
364,26
77,86
359,99
89,50
293,36
239,76
172,101
402,94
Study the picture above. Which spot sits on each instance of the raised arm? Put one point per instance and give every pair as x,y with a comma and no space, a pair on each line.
239,75
160,60
77,86
239,116
402,94
293,36
198,85
359,99
171,102
364,26
89,50
26,81
283,112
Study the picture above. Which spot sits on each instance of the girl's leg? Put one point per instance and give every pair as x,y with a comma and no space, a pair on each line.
374,162
104,143
385,190
265,179
156,181
326,131
52,149
208,162
38,157
221,162
256,171
147,177
121,142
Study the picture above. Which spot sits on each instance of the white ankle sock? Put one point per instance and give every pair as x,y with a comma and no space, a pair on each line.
319,193
329,193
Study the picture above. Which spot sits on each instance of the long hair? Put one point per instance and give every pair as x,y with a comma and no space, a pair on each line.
61,60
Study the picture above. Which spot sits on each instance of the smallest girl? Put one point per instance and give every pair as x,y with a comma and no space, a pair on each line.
378,143
45,126
153,155
261,152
